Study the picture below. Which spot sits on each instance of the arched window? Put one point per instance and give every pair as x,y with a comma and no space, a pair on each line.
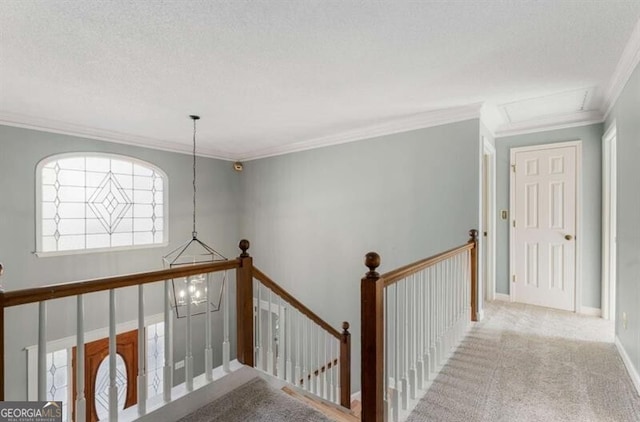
93,201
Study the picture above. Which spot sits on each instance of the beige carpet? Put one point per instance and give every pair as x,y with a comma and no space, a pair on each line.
256,401
525,364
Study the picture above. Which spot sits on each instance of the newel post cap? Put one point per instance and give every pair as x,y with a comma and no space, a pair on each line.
372,261
473,233
244,246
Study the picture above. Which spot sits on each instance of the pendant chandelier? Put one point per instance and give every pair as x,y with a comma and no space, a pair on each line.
204,291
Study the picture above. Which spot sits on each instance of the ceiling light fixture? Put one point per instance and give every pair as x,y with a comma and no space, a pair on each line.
198,289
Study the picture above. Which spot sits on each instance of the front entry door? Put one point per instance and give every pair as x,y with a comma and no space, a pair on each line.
544,195
96,375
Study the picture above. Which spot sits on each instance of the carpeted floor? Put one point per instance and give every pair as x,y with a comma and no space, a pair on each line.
256,401
525,364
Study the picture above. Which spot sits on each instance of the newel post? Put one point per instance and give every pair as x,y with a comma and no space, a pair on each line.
345,366
372,341
474,274
244,306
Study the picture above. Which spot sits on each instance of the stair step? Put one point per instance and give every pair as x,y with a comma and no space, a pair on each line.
331,411
356,408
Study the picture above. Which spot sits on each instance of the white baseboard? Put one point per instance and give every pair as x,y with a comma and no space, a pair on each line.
631,369
356,396
588,310
503,297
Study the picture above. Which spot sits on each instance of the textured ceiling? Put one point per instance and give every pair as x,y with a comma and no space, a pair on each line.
267,75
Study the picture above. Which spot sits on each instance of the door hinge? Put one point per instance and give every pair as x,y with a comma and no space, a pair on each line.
513,167
513,278
514,223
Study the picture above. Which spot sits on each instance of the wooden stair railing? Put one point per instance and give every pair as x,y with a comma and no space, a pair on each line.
245,273
435,324
247,348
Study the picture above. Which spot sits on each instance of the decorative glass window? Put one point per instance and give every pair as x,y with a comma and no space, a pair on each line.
155,359
58,379
93,201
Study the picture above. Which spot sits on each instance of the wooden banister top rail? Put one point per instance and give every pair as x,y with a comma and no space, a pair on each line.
398,274
264,279
57,291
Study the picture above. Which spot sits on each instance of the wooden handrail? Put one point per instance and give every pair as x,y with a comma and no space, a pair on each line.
57,291
273,286
398,274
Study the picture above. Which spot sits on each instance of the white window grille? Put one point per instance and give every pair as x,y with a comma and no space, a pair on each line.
93,201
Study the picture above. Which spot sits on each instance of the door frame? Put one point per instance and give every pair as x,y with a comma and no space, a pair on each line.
578,217
609,221
488,214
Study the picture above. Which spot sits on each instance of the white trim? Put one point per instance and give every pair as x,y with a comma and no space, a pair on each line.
578,236
588,310
38,204
624,69
489,151
356,396
628,363
417,121
564,121
54,126
404,124
502,297
609,204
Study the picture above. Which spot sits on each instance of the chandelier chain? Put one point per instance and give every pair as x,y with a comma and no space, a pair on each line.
194,233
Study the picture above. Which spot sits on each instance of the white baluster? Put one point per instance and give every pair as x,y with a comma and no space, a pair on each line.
113,388
281,345
405,344
208,349
386,361
298,344
188,360
226,345
42,351
270,369
325,375
142,358
397,350
81,405
421,329
259,359
337,374
432,321
305,354
411,284
290,376
168,343
314,358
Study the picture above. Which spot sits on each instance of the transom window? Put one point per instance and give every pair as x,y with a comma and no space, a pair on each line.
90,201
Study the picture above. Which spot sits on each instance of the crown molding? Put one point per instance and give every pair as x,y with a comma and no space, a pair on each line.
405,124
563,121
53,126
625,67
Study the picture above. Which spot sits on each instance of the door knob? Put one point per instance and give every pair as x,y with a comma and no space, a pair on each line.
568,236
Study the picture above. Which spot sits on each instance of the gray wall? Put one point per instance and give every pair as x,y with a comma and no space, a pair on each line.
20,151
626,115
311,216
591,137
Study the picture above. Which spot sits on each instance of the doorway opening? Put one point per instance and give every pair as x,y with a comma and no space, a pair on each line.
488,215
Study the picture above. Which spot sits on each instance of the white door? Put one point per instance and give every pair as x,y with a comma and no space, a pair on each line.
544,195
